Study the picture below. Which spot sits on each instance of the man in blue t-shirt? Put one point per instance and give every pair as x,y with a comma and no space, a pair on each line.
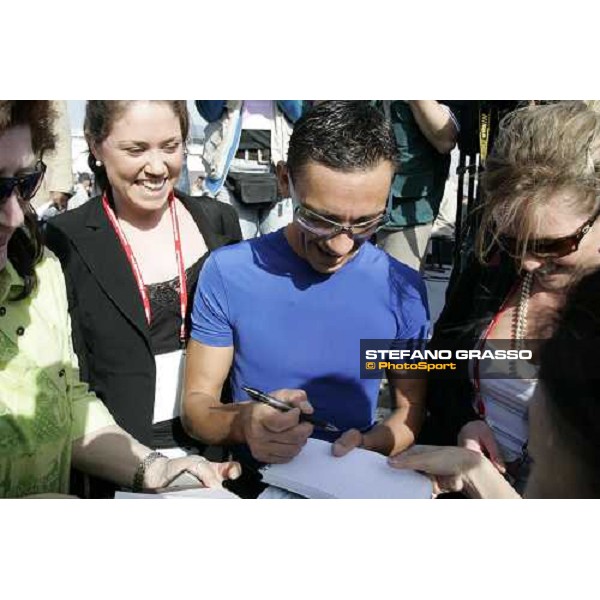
285,312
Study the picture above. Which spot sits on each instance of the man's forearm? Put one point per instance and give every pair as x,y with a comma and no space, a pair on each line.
435,123
393,435
211,422
400,429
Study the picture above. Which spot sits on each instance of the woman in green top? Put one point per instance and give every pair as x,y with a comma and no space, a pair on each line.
49,420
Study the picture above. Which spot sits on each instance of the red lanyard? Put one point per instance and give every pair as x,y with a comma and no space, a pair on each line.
476,378
183,297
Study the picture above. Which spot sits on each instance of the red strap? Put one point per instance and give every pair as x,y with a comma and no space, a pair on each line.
183,295
137,274
479,405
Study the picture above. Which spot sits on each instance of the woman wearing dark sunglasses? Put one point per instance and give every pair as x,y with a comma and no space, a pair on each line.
539,230
564,418
48,417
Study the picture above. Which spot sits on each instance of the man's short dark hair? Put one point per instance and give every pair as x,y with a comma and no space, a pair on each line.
342,135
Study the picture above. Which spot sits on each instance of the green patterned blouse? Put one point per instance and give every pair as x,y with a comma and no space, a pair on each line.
43,404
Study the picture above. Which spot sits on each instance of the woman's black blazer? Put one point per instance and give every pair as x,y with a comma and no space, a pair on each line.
110,332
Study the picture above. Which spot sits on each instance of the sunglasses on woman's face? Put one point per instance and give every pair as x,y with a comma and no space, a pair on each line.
26,185
549,247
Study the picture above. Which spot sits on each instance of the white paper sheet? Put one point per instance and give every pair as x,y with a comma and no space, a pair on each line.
196,494
316,473
169,378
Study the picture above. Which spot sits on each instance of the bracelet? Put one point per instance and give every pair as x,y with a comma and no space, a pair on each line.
140,473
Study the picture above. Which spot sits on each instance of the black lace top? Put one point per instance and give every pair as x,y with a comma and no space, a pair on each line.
164,337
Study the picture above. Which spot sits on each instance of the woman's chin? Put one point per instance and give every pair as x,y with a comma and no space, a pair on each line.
143,199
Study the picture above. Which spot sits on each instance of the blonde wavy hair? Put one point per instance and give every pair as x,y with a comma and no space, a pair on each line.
539,151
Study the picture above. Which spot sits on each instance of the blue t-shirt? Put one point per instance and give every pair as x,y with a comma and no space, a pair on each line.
293,327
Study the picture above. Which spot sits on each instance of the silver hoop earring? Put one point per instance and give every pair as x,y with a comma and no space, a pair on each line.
98,163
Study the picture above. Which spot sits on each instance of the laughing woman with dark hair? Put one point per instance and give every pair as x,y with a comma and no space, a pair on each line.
48,417
132,257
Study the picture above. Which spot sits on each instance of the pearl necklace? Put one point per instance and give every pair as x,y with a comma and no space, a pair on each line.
520,331
520,320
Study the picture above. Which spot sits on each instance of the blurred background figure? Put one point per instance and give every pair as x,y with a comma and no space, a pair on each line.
245,140
196,189
426,132
83,191
57,186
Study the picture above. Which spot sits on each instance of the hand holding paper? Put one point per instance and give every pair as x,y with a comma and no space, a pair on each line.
316,473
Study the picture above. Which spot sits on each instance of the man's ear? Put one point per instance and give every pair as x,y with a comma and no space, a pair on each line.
282,180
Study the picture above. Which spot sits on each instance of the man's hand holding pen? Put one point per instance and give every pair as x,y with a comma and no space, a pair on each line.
274,436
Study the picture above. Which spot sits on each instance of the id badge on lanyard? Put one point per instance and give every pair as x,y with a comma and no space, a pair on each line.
170,366
170,369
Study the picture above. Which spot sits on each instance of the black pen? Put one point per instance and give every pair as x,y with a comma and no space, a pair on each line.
285,407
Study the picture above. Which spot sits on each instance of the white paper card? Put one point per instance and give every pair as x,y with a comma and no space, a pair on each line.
169,383
316,473
197,494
